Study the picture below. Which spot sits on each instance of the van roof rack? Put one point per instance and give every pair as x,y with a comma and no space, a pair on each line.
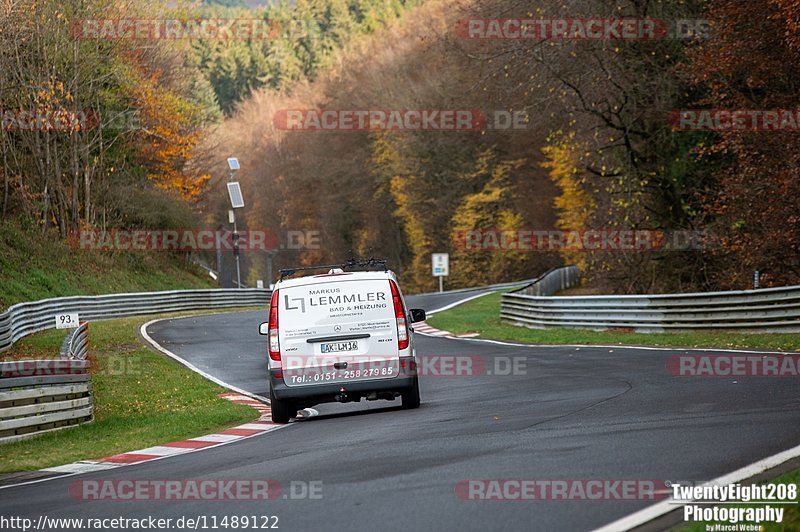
352,264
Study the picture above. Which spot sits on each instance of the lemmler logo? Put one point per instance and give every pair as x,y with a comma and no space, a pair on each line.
302,306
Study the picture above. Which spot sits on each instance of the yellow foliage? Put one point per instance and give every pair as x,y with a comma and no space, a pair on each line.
488,210
574,205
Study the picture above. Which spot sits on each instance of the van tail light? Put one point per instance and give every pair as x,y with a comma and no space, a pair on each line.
274,345
400,316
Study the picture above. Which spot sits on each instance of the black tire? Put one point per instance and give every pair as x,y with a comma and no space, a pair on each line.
282,410
410,396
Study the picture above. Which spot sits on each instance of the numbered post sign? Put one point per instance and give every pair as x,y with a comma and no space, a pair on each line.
441,264
68,320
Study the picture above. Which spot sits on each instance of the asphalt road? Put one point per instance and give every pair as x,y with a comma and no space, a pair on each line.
573,414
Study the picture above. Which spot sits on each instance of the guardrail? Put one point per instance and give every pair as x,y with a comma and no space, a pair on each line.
43,395
552,281
763,310
26,318
76,343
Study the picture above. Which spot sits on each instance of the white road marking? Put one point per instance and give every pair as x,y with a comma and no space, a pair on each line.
161,450
79,467
666,506
157,346
256,426
459,302
216,438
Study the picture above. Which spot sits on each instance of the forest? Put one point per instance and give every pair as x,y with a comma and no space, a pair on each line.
569,134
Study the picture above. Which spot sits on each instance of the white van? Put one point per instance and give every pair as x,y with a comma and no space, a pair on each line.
340,336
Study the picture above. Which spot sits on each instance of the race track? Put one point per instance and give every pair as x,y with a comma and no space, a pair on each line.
572,414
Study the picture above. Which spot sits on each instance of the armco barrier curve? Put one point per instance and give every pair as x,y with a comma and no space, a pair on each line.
762,310
42,395
25,318
76,343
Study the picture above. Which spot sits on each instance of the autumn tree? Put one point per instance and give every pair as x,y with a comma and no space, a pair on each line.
574,204
750,62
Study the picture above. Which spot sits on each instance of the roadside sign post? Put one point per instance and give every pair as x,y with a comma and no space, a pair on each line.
440,263
67,320
237,202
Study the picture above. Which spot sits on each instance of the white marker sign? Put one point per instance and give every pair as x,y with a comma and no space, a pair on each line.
441,264
67,320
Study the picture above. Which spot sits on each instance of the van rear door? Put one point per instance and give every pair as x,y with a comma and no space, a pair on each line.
337,332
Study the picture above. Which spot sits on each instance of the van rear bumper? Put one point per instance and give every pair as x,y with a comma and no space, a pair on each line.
327,392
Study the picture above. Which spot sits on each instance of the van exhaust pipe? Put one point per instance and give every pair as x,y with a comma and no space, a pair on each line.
342,396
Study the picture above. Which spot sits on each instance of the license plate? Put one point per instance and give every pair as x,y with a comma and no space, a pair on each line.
339,347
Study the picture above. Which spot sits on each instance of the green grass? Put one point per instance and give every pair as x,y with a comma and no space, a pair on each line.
37,266
483,316
141,399
791,516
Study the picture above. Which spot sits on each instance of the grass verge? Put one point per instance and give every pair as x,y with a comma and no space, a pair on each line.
141,399
482,315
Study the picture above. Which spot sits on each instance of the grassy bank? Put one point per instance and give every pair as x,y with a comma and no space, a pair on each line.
141,399
483,316
36,266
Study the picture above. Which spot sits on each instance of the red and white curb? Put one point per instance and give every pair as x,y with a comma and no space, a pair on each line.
427,330
248,430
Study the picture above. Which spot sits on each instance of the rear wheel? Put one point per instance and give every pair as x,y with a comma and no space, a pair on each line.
410,396
282,410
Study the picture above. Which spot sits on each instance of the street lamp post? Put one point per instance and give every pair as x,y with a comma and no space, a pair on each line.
237,202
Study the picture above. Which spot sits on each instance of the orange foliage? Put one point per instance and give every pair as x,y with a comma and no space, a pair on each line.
171,138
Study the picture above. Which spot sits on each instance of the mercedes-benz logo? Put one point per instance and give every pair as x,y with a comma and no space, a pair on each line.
337,328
